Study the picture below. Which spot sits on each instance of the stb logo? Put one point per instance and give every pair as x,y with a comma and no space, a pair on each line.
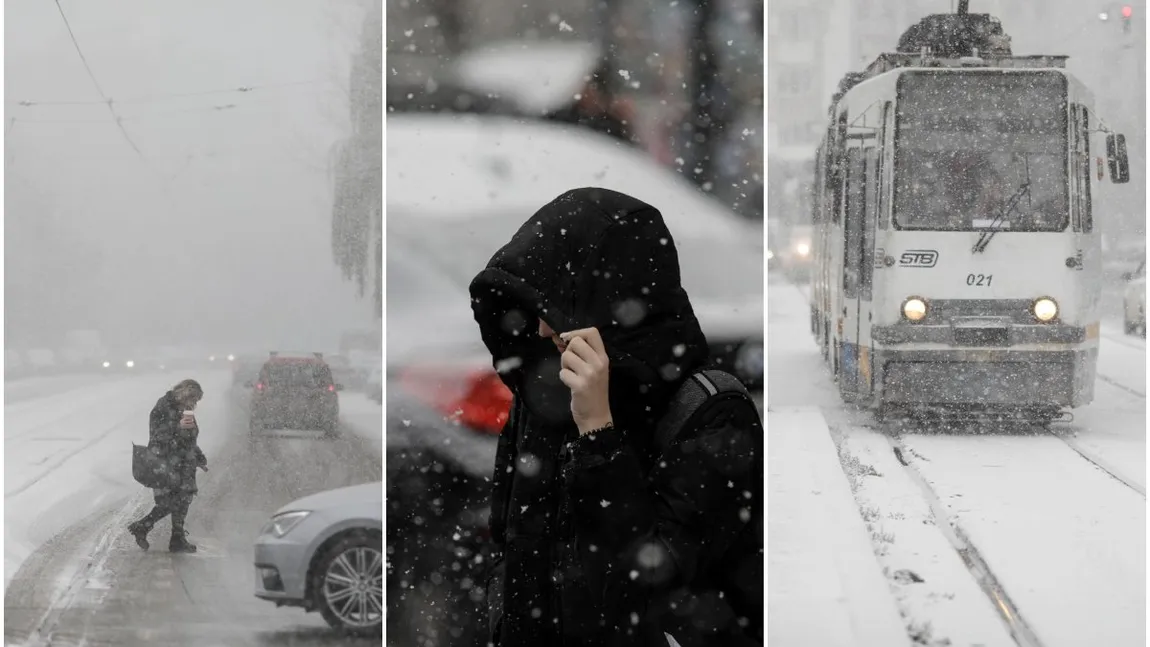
918,258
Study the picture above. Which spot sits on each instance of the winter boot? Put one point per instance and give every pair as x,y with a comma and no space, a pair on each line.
180,543
140,532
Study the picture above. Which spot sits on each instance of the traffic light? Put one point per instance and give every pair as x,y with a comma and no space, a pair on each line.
1127,11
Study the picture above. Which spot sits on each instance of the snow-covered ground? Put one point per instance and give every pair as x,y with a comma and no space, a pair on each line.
67,448
970,528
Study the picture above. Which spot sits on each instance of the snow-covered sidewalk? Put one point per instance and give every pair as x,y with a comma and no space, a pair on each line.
825,586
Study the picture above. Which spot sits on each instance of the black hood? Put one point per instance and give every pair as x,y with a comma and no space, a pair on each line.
593,258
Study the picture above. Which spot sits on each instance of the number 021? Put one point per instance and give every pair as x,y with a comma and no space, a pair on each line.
979,280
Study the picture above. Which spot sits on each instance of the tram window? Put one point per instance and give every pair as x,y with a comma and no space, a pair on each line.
1084,200
855,210
885,146
967,143
870,213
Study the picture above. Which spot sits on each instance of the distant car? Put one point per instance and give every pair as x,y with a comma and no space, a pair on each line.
795,255
295,393
324,553
1134,301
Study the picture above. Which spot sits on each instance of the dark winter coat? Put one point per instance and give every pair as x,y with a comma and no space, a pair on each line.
175,446
598,539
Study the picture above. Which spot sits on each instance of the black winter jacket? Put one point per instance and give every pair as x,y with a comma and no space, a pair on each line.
177,447
600,539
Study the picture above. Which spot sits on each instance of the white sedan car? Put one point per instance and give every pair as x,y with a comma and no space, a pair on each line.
460,186
1134,301
324,553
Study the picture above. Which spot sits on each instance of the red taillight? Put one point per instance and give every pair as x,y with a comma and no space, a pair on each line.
479,400
331,388
259,386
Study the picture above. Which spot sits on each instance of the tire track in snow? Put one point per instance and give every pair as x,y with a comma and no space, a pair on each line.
1019,629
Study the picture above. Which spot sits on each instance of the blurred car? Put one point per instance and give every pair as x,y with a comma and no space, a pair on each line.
459,187
496,170
324,553
373,386
295,392
1134,301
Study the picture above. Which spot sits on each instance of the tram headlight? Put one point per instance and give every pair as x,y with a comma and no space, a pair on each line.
803,249
914,309
1044,309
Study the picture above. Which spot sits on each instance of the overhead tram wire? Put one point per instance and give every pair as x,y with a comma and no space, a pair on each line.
96,83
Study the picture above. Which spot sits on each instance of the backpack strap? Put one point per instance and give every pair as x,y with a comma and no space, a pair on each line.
695,391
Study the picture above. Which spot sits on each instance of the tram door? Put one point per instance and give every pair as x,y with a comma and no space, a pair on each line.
860,215
854,209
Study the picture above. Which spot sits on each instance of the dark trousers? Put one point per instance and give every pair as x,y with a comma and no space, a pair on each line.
169,502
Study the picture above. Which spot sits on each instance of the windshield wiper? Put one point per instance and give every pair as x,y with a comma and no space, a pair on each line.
1007,209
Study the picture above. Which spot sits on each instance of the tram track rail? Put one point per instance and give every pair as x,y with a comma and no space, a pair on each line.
1016,624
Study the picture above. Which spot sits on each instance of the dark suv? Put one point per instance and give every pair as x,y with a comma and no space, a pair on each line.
295,393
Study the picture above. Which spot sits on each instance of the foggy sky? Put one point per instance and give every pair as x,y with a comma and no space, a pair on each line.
220,231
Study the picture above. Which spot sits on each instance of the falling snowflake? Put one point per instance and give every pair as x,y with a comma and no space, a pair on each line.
604,503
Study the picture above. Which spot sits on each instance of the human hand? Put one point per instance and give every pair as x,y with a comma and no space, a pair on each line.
187,422
585,372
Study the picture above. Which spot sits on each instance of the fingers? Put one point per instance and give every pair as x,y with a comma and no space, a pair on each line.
583,350
568,377
589,335
575,363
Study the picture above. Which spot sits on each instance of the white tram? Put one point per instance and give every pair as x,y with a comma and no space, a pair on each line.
956,251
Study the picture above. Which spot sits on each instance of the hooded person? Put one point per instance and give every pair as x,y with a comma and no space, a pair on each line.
599,536
173,436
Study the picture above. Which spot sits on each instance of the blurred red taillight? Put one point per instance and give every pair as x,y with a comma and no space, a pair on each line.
331,388
477,399
259,386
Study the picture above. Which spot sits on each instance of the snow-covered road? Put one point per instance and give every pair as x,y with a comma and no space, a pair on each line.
993,537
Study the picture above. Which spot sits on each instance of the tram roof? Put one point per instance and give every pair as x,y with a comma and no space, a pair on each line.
896,60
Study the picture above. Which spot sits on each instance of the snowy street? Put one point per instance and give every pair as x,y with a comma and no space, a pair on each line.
985,536
73,573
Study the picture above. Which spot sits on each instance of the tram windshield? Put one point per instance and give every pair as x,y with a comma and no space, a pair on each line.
979,150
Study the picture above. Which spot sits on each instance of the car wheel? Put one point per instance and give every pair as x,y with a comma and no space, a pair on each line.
347,585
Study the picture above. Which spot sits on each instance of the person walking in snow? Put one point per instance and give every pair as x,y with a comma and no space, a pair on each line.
172,435
601,536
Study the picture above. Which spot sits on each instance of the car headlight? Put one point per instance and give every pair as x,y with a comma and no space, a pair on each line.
803,249
770,254
914,309
281,524
129,363
1045,309
107,364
